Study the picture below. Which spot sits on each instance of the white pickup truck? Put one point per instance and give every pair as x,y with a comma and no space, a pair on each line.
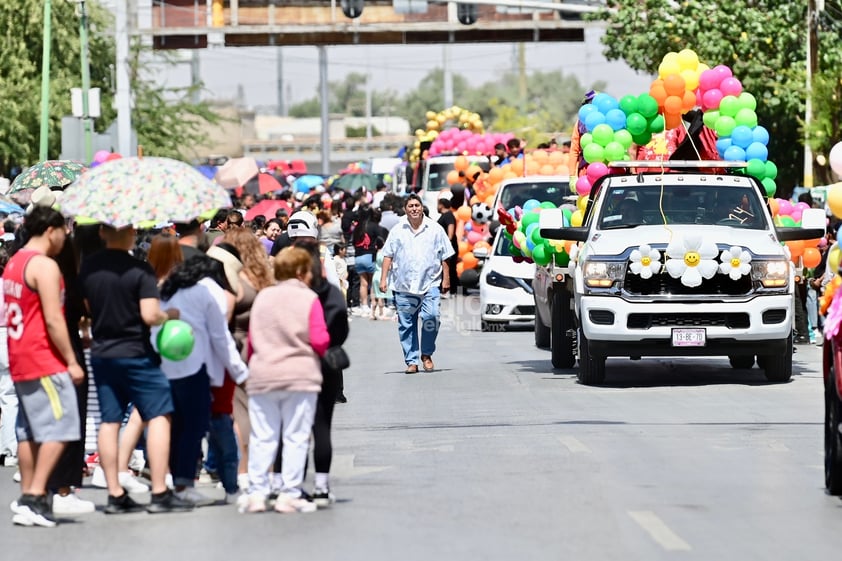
678,262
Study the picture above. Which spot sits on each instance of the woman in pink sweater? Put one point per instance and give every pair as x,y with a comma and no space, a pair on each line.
287,335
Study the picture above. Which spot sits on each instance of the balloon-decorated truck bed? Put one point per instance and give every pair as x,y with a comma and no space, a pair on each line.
676,245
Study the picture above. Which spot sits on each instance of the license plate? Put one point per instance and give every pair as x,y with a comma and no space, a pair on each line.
687,337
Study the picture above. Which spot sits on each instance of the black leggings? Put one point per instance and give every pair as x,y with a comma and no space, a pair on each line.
322,446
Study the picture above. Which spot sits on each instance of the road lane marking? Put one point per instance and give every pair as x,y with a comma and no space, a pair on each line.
658,530
778,446
574,444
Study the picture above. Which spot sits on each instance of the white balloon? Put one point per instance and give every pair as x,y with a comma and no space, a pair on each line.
835,158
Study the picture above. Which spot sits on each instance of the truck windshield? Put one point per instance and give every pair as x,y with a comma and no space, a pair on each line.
515,194
737,206
437,173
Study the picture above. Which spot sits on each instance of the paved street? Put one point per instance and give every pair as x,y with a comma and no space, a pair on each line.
496,457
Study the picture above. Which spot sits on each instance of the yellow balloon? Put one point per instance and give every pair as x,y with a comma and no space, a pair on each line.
702,67
691,79
667,68
430,115
834,200
688,60
582,203
432,124
671,56
576,219
834,256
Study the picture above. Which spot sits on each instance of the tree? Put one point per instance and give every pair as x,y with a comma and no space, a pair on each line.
761,40
429,96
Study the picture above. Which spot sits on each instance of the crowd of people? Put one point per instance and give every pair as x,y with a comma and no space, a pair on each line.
268,300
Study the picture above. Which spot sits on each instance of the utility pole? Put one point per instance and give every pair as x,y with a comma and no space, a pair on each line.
87,125
195,76
521,82
812,68
324,113
279,65
448,77
123,97
45,82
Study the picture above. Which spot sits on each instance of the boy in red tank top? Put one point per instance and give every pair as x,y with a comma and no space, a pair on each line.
42,362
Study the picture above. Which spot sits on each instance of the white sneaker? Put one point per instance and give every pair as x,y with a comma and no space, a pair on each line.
16,477
286,504
137,462
10,461
243,481
195,497
71,504
233,498
130,483
98,478
251,503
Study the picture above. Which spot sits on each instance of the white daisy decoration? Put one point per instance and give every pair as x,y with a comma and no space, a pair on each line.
691,259
645,261
735,262
574,254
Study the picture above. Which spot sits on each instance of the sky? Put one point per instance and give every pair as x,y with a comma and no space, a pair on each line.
396,67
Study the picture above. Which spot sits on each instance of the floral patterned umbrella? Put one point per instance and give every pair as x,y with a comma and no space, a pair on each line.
49,173
137,191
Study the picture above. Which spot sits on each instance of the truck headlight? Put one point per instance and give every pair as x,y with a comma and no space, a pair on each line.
771,274
603,274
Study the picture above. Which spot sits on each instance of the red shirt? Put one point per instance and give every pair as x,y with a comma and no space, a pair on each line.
32,354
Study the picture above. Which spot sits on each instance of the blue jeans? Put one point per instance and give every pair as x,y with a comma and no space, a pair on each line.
411,309
222,444
190,419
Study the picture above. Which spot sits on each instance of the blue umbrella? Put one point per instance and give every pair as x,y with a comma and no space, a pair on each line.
10,208
306,182
207,171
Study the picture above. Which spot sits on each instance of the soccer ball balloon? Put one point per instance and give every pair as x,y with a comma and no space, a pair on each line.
481,213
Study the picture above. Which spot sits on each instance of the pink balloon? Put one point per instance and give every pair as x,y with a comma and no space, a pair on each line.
723,72
595,171
474,237
711,99
802,205
699,98
822,243
709,79
731,86
796,214
784,207
583,186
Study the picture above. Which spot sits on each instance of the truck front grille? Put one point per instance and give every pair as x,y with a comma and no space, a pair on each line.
664,284
701,319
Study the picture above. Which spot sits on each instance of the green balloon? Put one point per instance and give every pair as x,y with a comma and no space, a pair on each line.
747,101
536,236
628,104
724,126
585,139
548,204
175,340
746,117
756,168
771,188
540,255
636,123
593,153
603,134
647,105
657,124
567,215
642,139
562,259
709,118
786,221
729,106
771,170
624,137
614,151
528,218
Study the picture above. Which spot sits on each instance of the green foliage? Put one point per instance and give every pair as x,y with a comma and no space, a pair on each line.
826,126
359,132
348,98
763,41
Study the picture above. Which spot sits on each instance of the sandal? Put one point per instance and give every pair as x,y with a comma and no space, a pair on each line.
411,369
427,361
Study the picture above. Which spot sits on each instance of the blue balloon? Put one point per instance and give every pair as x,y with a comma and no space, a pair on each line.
757,151
529,243
511,212
593,120
722,145
735,154
616,119
530,204
605,103
742,136
760,135
468,226
586,110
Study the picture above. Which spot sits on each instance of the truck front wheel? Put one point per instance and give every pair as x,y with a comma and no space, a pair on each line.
778,368
591,368
832,437
542,333
561,344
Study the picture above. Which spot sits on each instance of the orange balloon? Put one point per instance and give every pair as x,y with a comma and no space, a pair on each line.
774,206
673,104
482,244
469,261
532,167
812,243
453,177
556,158
689,101
547,169
674,85
459,269
489,200
473,171
474,200
672,120
658,91
461,163
517,167
811,257
796,248
495,175
510,175
463,213
540,156
562,169
463,248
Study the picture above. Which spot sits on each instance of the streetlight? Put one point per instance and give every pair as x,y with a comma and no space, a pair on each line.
86,78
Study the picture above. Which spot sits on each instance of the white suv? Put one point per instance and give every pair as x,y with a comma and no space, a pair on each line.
672,263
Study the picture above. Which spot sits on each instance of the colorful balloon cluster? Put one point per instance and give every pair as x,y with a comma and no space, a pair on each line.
466,141
436,122
788,215
675,89
524,235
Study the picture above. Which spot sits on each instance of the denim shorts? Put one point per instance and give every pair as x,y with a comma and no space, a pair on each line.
364,264
137,380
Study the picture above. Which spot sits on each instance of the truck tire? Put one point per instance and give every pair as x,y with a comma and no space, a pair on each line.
542,332
591,368
561,344
832,437
778,368
741,361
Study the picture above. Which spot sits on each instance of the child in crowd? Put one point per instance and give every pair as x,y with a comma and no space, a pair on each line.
378,307
339,251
